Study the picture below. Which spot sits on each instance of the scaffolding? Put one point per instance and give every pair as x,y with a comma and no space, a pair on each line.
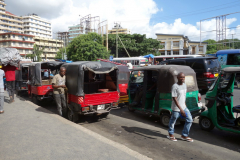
89,23
64,36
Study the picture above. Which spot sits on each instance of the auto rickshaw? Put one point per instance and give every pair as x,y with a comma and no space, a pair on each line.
123,78
221,112
92,88
40,86
155,83
21,76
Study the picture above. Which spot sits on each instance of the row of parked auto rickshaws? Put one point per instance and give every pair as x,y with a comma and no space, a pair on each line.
92,87
97,87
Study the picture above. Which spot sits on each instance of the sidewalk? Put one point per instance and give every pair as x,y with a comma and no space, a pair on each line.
28,131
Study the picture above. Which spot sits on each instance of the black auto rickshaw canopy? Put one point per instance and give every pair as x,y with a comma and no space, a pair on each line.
124,74
75,74
35,69
19,73
167,76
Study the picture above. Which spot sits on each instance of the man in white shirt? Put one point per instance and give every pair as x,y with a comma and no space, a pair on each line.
179,109
2,75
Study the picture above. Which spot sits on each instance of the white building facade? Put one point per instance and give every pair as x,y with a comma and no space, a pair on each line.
8,21
37,26
177,44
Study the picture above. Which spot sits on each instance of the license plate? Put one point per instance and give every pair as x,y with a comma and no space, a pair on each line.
99,107
216,75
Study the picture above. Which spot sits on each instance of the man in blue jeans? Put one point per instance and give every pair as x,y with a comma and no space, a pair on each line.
179,108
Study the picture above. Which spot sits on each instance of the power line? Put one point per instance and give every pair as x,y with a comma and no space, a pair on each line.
185,14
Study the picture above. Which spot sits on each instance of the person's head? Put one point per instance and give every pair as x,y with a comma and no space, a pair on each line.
62,71
181,78
139,73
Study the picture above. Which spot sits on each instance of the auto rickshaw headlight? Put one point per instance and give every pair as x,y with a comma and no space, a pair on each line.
85,109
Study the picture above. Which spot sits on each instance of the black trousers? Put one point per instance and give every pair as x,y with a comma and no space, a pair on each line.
11,88
61,102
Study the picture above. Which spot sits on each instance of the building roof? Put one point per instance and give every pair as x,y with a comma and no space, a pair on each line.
160,34
9,13
196,42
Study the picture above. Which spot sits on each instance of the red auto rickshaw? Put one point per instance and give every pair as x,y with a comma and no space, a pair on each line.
123,78
92,88
40,86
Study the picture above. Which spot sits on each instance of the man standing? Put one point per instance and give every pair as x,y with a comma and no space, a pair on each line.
2,75
58,84
10,79
179,108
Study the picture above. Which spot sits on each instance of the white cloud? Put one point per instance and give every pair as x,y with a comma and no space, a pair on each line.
133,14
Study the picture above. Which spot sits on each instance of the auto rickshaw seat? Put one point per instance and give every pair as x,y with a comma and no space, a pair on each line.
236,109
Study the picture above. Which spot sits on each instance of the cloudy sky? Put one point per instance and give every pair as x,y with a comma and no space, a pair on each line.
140,16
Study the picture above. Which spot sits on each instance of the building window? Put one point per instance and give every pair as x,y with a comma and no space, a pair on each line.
175,52
201,49
175,44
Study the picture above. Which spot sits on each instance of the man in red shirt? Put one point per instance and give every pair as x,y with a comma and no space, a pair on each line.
10,79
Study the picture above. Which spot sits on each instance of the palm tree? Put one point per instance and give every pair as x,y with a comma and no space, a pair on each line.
37,52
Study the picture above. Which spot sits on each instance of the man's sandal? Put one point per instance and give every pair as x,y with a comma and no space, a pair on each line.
188,139
172,138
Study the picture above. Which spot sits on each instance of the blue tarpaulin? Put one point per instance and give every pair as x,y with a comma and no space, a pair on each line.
150,55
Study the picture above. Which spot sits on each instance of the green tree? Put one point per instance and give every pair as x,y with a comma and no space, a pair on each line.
136,45
87,47
60,53
37,52
211,47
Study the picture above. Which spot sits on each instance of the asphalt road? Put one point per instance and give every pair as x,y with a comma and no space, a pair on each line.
144,134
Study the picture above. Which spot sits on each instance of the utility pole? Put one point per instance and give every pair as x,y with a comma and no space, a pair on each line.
232,40
117,25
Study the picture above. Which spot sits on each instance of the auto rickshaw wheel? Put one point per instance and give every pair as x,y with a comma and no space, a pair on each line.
72,116
35,100
164,119
130,109
206,123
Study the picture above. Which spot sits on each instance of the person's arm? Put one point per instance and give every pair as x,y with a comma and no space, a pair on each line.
177,104
18,68
54,81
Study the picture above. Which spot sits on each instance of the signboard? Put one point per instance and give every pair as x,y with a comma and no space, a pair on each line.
110,58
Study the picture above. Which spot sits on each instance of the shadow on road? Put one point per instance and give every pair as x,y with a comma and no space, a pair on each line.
143,132
215,137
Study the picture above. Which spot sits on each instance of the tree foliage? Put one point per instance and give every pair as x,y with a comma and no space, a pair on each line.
136,45
60,53
37,52
87,47
214,46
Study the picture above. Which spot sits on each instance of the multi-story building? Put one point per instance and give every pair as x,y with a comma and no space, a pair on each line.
64,36
178,44
75,31
24,43
118,29
8,21
37,26
51,46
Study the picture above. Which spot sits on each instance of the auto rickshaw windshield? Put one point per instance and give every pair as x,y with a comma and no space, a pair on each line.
225,79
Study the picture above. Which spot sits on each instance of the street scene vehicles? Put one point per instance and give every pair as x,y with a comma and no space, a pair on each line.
158,59
219,101
92,88
123,78
155,83
40,80
22,77
228,58
206,68
135,61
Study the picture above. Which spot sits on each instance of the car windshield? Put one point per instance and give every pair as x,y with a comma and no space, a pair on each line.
211,63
